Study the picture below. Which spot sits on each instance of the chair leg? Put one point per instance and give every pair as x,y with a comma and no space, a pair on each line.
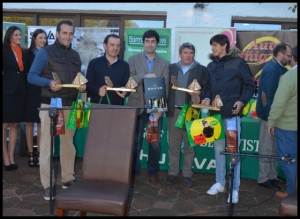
82,213
60,212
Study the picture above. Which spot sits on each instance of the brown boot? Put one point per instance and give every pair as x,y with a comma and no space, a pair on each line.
155,180
281,194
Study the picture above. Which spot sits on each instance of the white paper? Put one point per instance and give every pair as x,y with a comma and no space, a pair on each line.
231,124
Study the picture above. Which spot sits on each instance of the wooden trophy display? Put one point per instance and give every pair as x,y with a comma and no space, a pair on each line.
76,83
218,104
130,86
194,87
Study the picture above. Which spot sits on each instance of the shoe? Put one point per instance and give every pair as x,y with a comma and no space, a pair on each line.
235,197
187,182
281,194
278,179
171,179
14,166
155,180
68,184
217,187
37,158
270,185
47,193
7,168
31,159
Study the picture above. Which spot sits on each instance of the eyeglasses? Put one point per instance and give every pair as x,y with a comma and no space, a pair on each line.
287,55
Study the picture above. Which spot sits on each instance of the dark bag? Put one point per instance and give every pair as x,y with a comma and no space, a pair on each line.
155,94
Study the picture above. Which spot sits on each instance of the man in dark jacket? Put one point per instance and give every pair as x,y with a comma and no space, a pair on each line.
228,76
108,65
185,71
62,59
268,83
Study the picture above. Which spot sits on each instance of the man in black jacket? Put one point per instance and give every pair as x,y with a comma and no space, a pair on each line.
62,59
228,74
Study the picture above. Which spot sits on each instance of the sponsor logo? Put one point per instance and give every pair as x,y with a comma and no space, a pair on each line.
137,40
260,50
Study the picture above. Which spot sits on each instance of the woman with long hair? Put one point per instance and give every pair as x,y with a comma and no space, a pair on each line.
33,100
14,61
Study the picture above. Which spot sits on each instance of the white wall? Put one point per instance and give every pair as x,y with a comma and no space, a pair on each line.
178,14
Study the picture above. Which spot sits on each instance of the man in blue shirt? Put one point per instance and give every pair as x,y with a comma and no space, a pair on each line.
62,59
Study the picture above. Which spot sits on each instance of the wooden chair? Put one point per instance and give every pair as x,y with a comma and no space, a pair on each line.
106,167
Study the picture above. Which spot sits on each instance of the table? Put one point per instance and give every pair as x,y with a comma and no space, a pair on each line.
204,161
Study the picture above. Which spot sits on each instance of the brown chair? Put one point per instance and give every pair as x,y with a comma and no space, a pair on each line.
289,205
106,167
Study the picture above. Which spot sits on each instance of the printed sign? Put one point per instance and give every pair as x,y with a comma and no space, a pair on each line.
200,37
134,42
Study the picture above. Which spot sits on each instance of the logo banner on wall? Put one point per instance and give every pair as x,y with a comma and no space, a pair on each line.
134,42
200,37
257,46
87,41
22,27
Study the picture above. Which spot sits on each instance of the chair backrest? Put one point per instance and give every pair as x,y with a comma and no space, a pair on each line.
109,144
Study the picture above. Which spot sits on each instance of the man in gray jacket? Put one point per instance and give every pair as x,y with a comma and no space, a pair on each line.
147,64
185,71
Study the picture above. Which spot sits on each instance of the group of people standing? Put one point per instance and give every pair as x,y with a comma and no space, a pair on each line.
20,98
227,75
277,111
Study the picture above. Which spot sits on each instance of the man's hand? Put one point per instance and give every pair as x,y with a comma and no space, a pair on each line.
150,76
205,102
271,130
122,93
53,86
82,88
237,107
157,115
102,91
195,97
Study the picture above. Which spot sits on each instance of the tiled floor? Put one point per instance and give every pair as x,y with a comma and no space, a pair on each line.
23,196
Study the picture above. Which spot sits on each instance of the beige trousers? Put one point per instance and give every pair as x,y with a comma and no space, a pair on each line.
67,150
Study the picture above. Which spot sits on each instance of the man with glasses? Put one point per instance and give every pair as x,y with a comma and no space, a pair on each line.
282,123
268,83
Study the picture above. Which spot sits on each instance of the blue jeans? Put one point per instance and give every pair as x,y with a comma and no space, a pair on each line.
219,146
153,148
286,145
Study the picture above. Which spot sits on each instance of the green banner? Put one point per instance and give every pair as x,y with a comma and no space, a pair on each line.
134,42
204,160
